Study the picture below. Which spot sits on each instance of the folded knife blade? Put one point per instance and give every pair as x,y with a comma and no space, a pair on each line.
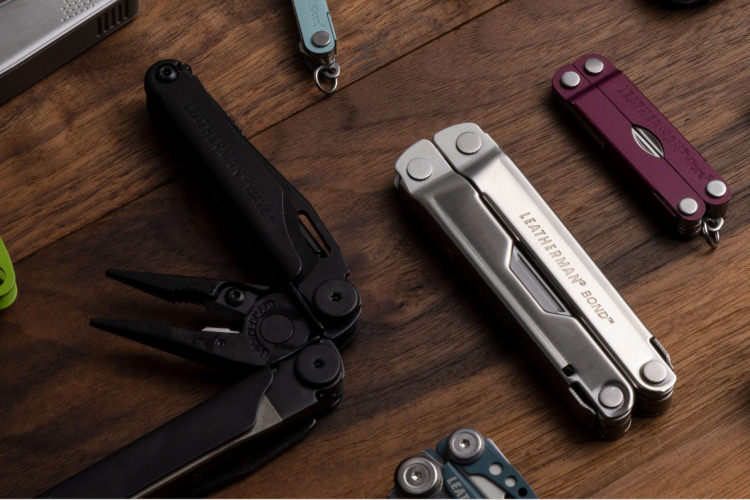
479,204
625,123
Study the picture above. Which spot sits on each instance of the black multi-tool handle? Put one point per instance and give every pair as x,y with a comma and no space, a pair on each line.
224,437
268,211
138,468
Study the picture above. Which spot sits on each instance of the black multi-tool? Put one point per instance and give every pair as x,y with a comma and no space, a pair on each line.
284,336
463,465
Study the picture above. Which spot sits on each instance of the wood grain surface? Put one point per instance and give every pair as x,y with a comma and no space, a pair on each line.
87,186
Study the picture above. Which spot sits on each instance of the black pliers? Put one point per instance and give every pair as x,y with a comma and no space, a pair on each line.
284,336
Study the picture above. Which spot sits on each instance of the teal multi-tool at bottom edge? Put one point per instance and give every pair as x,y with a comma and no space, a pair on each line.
463,465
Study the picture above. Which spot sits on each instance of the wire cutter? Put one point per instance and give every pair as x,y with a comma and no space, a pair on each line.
285,336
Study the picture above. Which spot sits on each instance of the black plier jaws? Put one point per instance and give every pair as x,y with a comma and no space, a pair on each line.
282,337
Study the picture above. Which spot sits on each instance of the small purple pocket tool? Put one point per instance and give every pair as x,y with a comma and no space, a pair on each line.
656,155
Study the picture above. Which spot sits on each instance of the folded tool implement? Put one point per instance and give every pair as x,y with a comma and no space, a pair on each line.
686,190
481,207
284,336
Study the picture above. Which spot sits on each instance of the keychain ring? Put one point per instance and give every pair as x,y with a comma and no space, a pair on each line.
710,229
332,73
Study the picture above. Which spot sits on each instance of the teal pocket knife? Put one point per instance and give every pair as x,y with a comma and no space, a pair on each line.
318,42
8,287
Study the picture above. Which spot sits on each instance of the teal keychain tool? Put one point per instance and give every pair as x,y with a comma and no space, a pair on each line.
318,42
8,287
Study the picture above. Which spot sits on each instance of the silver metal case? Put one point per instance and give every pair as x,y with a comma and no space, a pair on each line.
38,36
478,203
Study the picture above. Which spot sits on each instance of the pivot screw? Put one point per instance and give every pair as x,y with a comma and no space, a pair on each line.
166,73
465,446
318,365
418,477
235,297
276,328
570,79
336,298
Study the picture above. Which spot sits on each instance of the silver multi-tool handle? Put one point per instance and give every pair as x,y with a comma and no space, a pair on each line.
478,202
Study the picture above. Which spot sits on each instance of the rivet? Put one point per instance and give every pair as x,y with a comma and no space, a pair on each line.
570,79
687,206
469,143
419,169
654,372
593,66
716,188
321,38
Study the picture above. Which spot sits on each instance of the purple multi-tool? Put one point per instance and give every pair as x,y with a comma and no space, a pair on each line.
691,193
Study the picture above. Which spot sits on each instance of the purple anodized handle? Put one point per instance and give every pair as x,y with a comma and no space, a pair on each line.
627,124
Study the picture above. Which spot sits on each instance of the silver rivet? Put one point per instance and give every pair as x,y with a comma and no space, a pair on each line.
611,396
687,206
654,372
418,476
570,79
419,169
465,446
321,38
469,143
593,66
716,188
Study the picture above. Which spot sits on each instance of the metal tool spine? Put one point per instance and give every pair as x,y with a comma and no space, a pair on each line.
282,338
463,465
479,204
670,172
318,42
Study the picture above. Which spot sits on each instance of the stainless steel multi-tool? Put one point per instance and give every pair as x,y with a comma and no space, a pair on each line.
464,465
38,36
318,42
485,212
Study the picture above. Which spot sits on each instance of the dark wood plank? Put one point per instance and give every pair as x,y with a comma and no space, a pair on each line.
78,144
428,357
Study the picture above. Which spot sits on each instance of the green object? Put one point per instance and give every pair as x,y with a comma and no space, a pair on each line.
8,287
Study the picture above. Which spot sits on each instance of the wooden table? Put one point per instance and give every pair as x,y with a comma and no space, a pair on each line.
86,185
